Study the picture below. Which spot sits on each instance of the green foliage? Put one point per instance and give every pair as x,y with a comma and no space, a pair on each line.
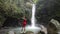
35,1
9,8
12,8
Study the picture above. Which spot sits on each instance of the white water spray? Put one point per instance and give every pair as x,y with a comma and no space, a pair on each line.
33,15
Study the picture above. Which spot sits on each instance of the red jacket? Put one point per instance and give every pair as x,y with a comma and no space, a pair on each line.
24,23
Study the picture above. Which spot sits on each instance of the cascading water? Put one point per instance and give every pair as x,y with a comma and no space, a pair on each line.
33,20
33,15
33,28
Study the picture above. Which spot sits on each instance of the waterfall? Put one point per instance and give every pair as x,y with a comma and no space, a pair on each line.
33,28
33,21
33,15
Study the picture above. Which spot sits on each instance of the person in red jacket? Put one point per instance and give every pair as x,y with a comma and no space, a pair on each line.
24,24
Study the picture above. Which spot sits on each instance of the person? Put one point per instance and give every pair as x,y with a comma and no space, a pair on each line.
24,24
